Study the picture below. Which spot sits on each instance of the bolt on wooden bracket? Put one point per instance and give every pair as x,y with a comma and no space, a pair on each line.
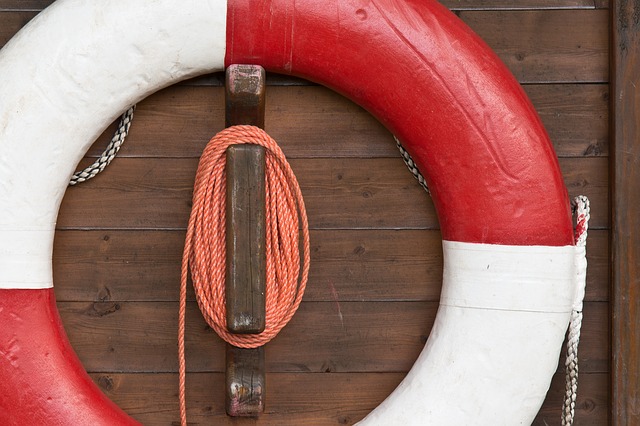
246,242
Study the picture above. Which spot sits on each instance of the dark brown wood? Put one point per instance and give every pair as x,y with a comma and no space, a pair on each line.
35,5
11,23
246,271
572,43
348,265
319,399
245,95
323,337
314,122
339,193
246,276
625,218
245,381
246,216
524,5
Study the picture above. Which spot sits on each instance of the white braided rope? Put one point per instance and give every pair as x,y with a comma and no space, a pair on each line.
110,151
411,165
582,211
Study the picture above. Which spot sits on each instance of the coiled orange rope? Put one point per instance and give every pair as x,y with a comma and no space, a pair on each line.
204,250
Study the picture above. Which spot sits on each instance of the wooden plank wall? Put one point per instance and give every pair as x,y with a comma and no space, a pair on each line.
376,256
625,187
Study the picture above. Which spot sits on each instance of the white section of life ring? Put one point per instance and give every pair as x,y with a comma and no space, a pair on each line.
503,311
65,90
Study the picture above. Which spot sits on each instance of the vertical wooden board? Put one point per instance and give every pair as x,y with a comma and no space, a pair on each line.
625,235
524,4
246,271
245,381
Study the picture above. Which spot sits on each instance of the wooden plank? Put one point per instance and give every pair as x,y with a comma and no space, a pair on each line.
339,193
314,122
34,5
524,4
319,400
245,95
576,116
591,405
246,271
246,250
625,239
245,381
347,265
568,46
323,337
11,23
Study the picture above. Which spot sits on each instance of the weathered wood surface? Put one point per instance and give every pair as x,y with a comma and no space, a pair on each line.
246,250
576,117
359,193
323,337
319,400
246,257
245,382
246,238
361,324
348,265
625,238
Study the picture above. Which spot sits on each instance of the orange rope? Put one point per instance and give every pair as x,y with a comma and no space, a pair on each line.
204,249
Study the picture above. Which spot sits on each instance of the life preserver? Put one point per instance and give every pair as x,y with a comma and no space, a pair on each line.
510,261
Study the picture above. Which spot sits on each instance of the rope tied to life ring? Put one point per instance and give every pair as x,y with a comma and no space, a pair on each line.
109,153
582,210
287,252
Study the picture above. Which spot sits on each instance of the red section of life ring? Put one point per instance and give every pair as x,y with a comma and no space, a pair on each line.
474,135
457,110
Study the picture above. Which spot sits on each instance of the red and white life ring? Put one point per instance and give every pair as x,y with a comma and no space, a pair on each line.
510,261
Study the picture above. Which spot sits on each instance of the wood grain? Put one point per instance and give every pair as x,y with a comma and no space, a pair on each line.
568,46
346,265
11,23
327,337
339,193
314,122
319,400
245,383
625,239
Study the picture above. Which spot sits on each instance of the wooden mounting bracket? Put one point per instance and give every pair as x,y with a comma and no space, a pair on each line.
246,242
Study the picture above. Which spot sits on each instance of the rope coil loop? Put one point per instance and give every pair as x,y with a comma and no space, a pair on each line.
288,253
